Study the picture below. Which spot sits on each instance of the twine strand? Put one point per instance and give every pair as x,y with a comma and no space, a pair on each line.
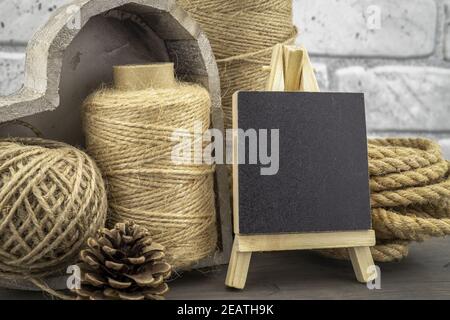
24,124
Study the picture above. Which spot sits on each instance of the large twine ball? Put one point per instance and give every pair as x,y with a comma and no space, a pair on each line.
52,199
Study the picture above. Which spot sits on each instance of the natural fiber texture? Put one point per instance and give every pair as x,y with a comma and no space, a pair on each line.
52,199
129,134
242,34
410,185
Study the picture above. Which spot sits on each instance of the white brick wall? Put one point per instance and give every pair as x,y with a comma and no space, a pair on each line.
383,28
11,71
19,19
401,61
399,58
445,143
321,71
401,97
447,30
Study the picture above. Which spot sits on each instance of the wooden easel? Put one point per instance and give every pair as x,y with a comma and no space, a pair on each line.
291,70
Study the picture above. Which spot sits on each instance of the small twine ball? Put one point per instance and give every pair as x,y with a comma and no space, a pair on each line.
52,199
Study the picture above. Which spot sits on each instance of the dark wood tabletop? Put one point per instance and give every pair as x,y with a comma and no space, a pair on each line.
425,274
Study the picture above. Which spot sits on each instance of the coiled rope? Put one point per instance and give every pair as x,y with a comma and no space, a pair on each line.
410,185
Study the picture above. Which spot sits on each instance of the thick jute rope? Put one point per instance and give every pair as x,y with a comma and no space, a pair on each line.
129,134
52,199
242,34
410,185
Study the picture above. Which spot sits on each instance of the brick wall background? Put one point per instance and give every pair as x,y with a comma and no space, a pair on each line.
397,52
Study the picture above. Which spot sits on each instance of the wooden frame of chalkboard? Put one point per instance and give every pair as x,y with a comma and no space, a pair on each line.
288,63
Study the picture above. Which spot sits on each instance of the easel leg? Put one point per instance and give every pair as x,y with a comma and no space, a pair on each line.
361,260
238,268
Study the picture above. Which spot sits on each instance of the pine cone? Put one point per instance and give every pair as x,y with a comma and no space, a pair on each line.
123,264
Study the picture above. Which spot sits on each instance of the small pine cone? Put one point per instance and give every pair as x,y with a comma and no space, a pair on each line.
123,264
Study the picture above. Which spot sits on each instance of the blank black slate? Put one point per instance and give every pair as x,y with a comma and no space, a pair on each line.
323,181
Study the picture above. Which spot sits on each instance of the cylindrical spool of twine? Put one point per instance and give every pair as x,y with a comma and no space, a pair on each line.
242,34
52,199
129,134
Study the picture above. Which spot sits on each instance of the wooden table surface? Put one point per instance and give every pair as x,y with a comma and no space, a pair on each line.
425,274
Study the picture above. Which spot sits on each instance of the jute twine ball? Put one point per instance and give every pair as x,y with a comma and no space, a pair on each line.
52,198
129,134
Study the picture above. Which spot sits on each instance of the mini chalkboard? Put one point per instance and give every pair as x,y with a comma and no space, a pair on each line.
300,169
322,181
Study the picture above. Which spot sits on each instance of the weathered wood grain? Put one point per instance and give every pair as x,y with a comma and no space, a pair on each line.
303,275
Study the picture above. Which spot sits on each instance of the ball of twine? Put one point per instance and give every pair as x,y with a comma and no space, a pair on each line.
129,134
52,199
242,34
